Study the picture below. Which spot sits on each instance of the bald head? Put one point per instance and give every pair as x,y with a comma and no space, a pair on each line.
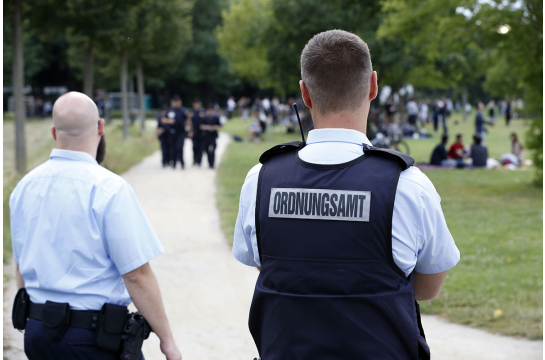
75,115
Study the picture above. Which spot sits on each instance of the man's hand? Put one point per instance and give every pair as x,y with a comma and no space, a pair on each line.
170,350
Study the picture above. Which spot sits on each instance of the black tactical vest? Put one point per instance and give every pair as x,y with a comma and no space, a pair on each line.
329,287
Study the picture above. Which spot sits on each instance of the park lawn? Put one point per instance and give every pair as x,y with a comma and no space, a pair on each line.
495,217
120,156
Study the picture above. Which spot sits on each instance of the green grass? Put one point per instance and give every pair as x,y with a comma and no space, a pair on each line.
120,156
495,217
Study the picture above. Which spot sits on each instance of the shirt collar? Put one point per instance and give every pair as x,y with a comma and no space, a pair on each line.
72,155
337,135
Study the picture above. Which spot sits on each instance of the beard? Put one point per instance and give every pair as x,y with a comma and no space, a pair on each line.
101,150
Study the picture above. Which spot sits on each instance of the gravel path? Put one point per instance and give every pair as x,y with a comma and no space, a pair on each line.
207,293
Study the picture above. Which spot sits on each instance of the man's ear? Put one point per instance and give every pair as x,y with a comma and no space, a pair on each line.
54,133
373,88
101,127
305,94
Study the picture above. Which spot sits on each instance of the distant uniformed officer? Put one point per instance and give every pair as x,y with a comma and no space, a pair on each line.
347,236
165,136
82,245
197,117
209,127
177,112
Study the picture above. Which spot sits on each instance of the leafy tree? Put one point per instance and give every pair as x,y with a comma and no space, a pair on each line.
448,44
263,39
242,39
202,68
163,33
88,22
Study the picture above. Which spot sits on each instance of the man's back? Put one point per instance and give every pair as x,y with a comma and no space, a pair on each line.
438,155
73,212
479,154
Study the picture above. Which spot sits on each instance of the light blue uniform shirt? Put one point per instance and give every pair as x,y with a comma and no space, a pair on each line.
76,228
420,237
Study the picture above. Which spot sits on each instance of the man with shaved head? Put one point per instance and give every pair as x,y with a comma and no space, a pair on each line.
82,244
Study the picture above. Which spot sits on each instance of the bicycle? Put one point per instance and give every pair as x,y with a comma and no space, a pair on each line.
395,143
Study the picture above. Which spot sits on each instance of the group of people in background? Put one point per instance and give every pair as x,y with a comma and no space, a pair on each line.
458,154
176,123
265,113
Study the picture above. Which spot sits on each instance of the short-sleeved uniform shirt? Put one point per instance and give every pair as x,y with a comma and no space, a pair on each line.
421,240
76,229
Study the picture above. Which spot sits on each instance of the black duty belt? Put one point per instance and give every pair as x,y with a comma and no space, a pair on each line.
83,319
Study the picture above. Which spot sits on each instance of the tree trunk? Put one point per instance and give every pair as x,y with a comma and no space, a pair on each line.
464,102
107,108
88,71
140,76
124,100
18,95
131,99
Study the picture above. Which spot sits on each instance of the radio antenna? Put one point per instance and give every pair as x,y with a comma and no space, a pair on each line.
300,124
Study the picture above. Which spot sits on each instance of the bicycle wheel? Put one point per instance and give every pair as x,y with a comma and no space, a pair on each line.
402,146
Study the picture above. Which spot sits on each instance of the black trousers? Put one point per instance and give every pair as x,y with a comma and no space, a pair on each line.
76,344
209,147
197,149
167,148
179,148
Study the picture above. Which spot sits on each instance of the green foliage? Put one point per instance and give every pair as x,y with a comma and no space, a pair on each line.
35,54
263,39
448,46
500,80
241,39
203,68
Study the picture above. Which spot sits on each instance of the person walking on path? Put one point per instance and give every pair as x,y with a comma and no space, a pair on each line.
81,244
339,229
197,116
209,127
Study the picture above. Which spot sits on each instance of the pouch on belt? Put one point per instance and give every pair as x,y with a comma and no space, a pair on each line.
56,319
111,323
21,308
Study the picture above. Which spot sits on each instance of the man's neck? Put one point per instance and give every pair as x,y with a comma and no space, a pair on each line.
81,148
354,120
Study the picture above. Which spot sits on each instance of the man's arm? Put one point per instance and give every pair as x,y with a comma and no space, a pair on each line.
18,278
427,286
144,290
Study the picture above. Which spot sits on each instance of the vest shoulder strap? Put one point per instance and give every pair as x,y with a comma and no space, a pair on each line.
403,159
281,149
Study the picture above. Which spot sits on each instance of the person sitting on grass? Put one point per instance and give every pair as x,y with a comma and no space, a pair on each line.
439,154
479,153
257,128
457,151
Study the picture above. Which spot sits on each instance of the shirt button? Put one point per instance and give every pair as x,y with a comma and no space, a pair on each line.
93,326
95,318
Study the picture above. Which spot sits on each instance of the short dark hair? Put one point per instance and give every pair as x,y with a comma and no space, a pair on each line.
444,139
459,136
336,68
477,139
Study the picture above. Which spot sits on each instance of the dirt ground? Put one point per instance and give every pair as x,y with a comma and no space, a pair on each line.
207,293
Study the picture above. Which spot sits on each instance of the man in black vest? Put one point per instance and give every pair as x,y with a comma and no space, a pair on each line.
347,236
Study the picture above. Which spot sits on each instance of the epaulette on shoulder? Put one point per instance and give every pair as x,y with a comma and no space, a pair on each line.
403,159
281,149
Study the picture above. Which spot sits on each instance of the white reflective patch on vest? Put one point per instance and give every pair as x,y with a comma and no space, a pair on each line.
320,204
